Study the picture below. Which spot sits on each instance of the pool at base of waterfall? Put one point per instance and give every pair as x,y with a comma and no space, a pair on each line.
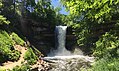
70,63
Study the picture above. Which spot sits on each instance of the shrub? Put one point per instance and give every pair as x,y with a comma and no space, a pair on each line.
5,40
3,20
17,39
106,64
30,56
24,67
107,44
7,51
107,52
14,55
6,45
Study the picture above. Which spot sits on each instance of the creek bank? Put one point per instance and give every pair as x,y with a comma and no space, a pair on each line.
40,65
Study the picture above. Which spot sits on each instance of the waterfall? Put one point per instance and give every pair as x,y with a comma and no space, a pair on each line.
61,59
60,37
60,40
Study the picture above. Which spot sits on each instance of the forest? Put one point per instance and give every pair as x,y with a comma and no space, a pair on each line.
27,32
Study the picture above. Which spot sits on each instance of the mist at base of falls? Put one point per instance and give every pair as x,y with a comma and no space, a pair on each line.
65,52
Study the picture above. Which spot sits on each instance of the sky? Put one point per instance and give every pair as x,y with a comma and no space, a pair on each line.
56,3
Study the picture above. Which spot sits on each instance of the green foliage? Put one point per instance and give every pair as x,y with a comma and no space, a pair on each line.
107,52
2,69
95,11
14,55
6,43
44,13
3,20
6,48
106,64
96,24
30,57
91,19
24,67
5,40
16,39
107,44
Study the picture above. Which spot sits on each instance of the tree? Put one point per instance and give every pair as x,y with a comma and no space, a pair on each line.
92,18
7,52
96,24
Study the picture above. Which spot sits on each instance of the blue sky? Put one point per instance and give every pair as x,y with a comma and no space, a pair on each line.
56,3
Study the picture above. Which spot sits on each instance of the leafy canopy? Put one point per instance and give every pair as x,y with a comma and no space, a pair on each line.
91,18
99,11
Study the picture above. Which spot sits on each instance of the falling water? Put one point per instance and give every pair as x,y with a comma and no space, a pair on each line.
64,60
60,38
